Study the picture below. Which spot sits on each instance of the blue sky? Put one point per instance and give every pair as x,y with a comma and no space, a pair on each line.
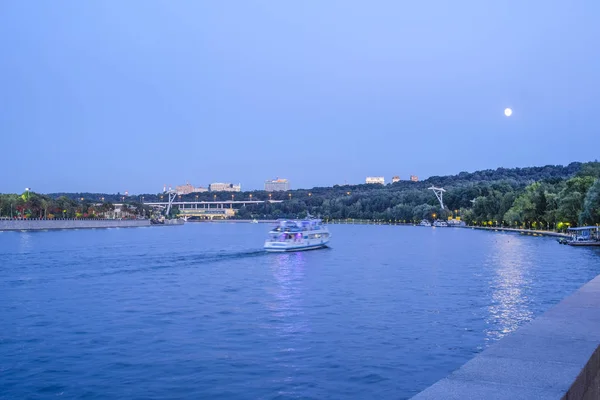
129,95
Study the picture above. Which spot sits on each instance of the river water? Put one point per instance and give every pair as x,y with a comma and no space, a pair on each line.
199,311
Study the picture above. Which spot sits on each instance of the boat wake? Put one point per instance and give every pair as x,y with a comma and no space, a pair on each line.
147,264
217,256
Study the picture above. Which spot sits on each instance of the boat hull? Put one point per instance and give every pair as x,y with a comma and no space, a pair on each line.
280,247
574,243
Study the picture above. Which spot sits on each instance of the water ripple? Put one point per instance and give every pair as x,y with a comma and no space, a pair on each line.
200,312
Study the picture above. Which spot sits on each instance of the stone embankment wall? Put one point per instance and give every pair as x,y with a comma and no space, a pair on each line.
524,231
555,356
239,221
44,224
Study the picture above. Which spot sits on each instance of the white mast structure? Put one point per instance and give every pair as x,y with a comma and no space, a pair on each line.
172,194
439,193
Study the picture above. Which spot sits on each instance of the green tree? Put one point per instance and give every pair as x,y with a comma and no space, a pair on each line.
591,205
570,200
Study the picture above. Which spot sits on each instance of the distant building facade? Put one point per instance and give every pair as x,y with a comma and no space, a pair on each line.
277,185
375,180
208,213
184,189
414,178
395,179
224,187
187,189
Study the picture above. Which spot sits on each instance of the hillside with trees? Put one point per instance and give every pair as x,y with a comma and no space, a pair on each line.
549,197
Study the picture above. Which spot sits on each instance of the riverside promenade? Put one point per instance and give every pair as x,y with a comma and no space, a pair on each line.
524,231
51,224
235,221
555,356
532,232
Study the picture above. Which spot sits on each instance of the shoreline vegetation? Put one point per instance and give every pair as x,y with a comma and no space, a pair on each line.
550,198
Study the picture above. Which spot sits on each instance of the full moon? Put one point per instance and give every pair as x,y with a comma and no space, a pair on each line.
508,112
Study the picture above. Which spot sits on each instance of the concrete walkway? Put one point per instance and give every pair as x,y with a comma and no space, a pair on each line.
555,356
526,231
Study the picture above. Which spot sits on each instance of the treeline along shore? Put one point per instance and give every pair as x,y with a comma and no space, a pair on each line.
551,197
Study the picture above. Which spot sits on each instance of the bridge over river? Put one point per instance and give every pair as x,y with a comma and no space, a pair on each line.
210,209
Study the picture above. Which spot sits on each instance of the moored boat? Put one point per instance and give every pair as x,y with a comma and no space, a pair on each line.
425,223
584,236
297,235
163,221
457,223
439,223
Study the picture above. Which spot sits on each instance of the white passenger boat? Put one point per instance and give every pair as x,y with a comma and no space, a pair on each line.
439,223
297,235
425,223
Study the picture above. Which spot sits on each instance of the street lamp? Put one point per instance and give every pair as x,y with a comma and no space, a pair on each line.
290,195
309,194
250,196
215,197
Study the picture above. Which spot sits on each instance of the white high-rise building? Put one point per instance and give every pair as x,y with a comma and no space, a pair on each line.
277,185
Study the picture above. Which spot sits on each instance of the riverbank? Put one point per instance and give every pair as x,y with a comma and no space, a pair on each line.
54,224
236,221
364,222
523,231
240,221
530,232
555,356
